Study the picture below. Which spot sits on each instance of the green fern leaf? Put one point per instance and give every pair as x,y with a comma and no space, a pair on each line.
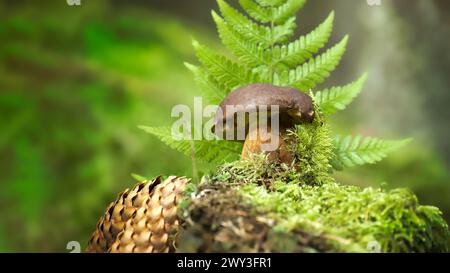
337,98
215,151
247,52
257,12
258,34
282,33
264,74
213,91
289,9
271,3
315,71
301,50
240,23
274,15
225,71
352,151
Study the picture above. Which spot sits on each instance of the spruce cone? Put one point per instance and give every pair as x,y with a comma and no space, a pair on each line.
141,220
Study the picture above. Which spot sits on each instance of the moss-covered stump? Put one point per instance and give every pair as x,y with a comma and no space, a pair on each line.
254,206
221,221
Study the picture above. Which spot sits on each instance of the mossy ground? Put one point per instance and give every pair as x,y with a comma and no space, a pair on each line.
218,219
256,206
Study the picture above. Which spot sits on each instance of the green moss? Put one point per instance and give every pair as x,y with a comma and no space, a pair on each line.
353,218
347,217
313,147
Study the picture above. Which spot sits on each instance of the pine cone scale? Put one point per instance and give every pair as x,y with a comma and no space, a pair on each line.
142,219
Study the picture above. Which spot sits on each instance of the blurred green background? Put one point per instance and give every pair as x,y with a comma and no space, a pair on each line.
75,81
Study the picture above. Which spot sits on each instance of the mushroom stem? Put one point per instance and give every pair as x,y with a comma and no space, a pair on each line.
254,145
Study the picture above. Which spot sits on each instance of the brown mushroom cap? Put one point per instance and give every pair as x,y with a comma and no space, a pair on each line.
295,107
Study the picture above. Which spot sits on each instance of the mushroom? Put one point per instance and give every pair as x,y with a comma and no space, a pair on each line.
277,109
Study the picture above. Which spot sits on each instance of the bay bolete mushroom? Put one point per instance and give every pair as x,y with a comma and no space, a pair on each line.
260,115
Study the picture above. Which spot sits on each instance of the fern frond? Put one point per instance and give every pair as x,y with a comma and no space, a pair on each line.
282,33
248,53
352,151
337,98
264,74
240,23
289,9
257,12
213,91
270,3
215,151
258,34
225,71
315,71
276,15
302,49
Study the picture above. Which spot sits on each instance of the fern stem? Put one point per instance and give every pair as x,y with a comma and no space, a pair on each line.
271,64
193,158
194,163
